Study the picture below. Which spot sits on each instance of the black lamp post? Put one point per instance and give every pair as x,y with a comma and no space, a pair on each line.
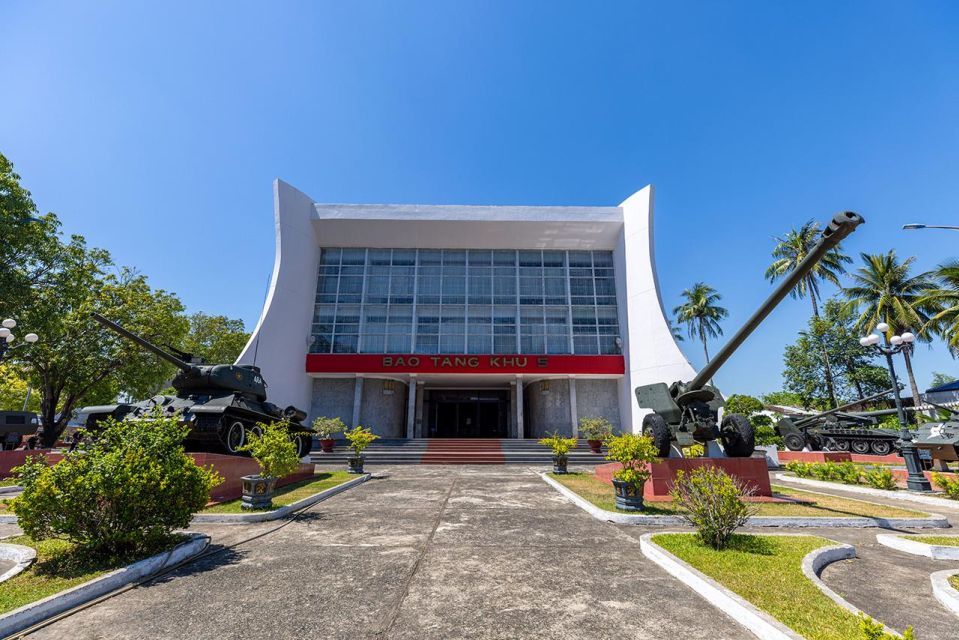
916,481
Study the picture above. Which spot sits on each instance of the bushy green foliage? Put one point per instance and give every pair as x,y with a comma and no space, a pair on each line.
126,492
712,501
880,478
360,438
873,630
845,472
326,427
740,403
273,450
949,486
560,445
751,408
635,453
593,428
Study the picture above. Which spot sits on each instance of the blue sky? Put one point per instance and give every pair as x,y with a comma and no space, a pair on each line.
155,129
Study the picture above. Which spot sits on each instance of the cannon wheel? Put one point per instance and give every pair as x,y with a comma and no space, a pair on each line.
860,446
815,444
881,447
794,442
655,427
234,437
737,435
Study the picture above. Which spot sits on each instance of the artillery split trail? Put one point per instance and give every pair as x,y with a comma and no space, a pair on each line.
422,552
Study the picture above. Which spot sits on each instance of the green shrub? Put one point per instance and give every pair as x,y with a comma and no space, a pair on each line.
560,445
326,427
273,450
712,501
360,438
845,472
801,469
765,433
635,453
595,428
873,630
124,493
949,485
880,478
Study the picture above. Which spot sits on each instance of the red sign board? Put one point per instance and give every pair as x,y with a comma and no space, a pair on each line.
417,363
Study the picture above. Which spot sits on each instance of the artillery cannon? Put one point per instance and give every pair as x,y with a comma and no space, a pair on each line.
222,403
837,430
688,412
940,439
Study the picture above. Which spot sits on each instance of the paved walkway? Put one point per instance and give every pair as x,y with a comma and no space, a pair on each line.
418,553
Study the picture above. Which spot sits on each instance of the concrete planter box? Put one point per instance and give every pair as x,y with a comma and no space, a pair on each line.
258,492
559,464
356,464
629,497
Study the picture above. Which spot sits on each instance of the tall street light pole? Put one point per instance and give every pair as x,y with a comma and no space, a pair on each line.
916,481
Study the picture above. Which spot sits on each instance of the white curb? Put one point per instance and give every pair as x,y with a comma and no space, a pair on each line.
758,622
917,547
263,516
34,612
900,494
22,557
943,591
799,522
13,488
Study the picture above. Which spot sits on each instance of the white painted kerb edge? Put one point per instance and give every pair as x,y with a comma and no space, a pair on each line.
22,557
879,493
32,613
917,547
943,591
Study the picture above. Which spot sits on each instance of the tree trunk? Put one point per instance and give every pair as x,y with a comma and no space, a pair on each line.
830,386
916,400
702,336
855,381
48,412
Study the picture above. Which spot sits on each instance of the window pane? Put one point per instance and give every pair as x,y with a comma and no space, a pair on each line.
330,256
344,344
354,256
452,344
585,345
427,344
372,343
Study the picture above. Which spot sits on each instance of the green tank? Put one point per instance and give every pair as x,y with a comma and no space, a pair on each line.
685,413
222,403
939,440
836,430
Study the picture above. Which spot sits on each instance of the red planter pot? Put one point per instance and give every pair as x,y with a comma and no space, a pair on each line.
595,446
326,445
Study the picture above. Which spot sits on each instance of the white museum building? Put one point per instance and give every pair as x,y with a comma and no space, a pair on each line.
433,321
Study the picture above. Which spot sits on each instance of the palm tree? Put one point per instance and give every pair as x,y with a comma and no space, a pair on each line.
701,314
945,297
676,331
789,252
883,291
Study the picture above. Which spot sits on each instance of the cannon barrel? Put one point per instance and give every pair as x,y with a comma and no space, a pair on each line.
810,419
841,226
146,344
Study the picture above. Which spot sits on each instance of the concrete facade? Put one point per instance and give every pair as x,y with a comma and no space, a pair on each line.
286,329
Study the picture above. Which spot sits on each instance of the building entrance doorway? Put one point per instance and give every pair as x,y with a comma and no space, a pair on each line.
467,413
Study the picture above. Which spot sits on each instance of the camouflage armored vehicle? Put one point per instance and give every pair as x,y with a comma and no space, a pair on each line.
14,425
222,403
940,439
688,412
836,430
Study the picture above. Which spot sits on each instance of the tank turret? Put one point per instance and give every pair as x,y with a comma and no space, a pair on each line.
688,412
222,403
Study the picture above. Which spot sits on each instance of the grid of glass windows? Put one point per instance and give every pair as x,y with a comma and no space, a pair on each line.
457,301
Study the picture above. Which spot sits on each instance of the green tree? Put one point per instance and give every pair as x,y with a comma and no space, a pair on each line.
943,298
939,379
27,240
215,339
783,399
701,314
788,254
79,362
13,390
884,291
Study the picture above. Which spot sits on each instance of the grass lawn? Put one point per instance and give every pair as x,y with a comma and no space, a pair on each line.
819,505
954,581
942,541
767,571
291,492
56,568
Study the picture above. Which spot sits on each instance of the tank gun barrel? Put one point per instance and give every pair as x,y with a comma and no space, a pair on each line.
146,344
808,419
841,226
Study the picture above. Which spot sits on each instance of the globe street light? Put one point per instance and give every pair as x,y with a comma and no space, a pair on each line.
7,337
916,480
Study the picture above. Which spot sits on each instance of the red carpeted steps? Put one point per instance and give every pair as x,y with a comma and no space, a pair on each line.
463,451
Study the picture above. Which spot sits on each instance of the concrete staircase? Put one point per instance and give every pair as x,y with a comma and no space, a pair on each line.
456,451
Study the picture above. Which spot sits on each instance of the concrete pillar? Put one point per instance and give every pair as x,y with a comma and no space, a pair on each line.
418,427
410,407
357,399
520,431
573,417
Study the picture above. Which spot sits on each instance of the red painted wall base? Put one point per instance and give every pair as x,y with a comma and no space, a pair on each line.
11,459
232,468
815,456
752,471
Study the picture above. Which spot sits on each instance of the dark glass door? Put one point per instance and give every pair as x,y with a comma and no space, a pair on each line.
467,414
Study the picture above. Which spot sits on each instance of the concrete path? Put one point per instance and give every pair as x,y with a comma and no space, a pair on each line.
418,553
